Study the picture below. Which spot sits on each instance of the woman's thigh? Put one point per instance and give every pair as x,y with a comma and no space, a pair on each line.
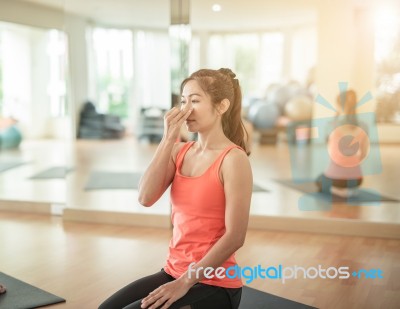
136,290
203,296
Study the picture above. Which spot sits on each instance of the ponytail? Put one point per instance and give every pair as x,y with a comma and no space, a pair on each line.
232,123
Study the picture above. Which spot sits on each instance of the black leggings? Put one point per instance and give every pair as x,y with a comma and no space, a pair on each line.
199,296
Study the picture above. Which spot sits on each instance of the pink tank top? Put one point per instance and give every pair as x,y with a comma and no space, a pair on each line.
198,218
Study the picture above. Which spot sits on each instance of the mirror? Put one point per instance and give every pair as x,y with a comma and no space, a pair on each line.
120,85
283,54
33,107
84,85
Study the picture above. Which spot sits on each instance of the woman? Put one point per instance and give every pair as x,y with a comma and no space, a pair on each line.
210,196
347,146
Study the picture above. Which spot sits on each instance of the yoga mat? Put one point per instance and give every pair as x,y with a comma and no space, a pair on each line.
4,166
112,180
363,194
21,295
55,172
255,299
257,188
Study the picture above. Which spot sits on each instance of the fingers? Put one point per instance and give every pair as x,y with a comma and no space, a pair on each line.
172,111
167,304
177,109
155,299
153,303
176,116
158,303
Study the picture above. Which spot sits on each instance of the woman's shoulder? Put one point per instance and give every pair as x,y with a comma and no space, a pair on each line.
177,148
236,165
235,157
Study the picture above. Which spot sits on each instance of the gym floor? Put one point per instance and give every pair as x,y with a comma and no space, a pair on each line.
69,255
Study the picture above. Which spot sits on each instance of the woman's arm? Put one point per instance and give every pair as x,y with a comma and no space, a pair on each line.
238,184
161,170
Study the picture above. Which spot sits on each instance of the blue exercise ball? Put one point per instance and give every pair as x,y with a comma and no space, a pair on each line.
263,115
10,138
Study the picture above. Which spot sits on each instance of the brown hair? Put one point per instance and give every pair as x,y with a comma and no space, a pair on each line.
222,84
347,103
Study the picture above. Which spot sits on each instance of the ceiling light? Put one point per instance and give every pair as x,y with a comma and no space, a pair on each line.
216,7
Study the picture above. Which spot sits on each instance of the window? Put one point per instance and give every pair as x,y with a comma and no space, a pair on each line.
153,70
1,78
180,38
303,52
238,52
258,58
271,59
387,58
112,69
33,77
56,89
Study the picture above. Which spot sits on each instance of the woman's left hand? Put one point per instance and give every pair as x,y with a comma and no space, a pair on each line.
166,294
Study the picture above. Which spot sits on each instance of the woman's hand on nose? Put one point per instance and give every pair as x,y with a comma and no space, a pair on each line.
174,119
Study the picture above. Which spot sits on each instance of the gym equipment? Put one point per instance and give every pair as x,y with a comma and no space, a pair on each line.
93,125
279,96
10,137
299,108
263,115
151,124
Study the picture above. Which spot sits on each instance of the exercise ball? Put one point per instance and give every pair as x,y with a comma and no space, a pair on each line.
279,96
270,89
263,115
299,108
10,138
247,102
294,88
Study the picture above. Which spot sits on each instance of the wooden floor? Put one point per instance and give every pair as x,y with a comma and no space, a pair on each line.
70,256
85,263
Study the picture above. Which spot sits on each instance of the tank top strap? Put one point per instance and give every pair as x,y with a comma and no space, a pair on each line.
181,154
218,162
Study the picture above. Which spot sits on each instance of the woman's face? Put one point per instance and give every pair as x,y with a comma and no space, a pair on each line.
203,116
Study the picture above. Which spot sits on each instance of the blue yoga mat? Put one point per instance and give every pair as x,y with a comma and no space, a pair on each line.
364,195
55,172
